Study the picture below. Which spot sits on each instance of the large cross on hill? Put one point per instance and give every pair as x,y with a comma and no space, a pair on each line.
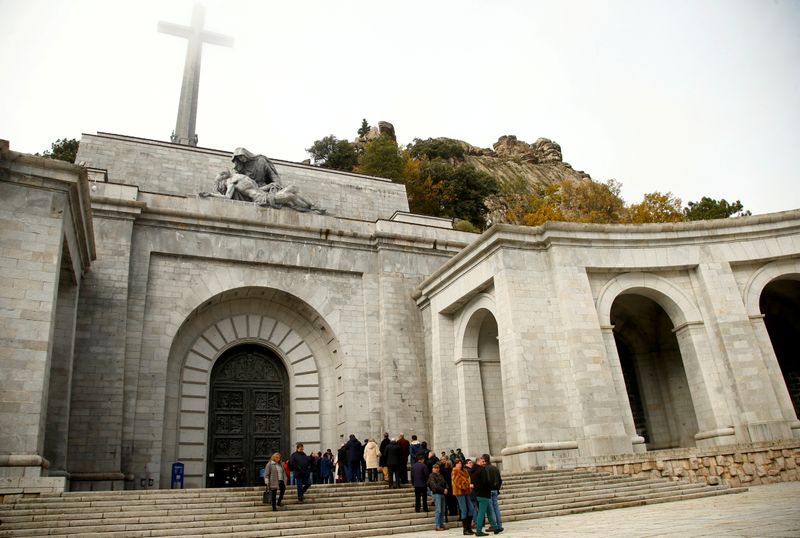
187,107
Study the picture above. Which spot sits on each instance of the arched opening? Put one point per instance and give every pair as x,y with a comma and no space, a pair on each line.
654,373
780,305
481,381
492,383
248,417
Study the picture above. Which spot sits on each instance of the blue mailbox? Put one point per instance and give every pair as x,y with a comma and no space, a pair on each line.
177,475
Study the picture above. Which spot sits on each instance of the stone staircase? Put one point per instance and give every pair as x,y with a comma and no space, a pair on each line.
330,511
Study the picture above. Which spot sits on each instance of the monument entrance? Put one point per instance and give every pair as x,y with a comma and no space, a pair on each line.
248,415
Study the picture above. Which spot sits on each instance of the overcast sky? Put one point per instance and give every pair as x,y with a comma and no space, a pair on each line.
693,97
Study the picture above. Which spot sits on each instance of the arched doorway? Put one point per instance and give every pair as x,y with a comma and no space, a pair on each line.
780,305
654,373
248,415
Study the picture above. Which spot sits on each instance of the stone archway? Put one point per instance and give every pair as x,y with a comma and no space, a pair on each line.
655,377
713,420
758,309
780,305
289,329
479,374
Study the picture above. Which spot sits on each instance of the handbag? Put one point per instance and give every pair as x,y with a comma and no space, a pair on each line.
266,497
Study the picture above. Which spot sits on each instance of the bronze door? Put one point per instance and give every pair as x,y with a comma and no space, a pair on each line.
248,419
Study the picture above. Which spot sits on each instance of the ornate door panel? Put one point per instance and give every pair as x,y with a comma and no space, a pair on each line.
247,417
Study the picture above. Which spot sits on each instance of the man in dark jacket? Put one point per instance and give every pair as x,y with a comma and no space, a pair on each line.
341,460
382,457
483,492
405,445
394,461
354,454
300,465
419,479
438,486
495,483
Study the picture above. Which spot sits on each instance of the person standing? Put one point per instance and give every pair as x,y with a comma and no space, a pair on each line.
315,461
413,449
419,479
438,487
353,459
300,464
469,466
382,460
326,468
275,479
341,461
404,445
462,487
394,461
495,483
483,491
372,457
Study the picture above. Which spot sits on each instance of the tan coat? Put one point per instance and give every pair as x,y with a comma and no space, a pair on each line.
371,455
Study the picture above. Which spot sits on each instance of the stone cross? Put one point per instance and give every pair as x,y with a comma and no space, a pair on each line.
187,108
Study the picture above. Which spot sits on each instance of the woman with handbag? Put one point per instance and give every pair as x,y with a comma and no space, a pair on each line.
275,479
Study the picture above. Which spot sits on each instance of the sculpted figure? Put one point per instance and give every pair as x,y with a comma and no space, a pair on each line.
256,167
242,187
237,187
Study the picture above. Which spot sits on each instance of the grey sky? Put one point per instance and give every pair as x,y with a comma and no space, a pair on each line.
697,98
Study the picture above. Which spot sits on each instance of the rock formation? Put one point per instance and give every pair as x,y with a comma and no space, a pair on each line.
515,161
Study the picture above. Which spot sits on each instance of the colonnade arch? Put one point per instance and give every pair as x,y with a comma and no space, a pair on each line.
286,329
480,380
663,381
772,299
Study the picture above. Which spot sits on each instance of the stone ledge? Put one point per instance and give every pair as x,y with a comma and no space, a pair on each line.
12,488
736,465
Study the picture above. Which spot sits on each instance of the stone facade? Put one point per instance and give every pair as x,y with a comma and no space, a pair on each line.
46,245
556,346
686,299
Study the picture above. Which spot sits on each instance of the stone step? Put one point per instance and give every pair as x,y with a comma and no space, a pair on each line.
247,495
509,498
330,510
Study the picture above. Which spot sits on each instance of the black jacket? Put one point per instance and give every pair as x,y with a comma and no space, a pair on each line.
480,479
354,450
300,463
494,478
437,483
394,455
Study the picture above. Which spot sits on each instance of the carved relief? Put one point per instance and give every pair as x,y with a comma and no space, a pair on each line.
248,368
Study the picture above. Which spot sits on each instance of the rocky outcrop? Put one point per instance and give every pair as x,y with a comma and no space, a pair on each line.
515,161
383,128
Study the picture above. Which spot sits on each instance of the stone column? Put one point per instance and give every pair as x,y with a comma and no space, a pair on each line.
637,441
471,407
60,388
757,413
775,374
713,418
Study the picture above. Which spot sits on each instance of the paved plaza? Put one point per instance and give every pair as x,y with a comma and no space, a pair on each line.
771,511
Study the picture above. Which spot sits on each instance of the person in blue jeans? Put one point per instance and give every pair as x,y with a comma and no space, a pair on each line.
495,483
438,486
300,464
483,491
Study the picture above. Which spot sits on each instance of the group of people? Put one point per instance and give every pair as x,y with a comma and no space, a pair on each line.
473,485
458,486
